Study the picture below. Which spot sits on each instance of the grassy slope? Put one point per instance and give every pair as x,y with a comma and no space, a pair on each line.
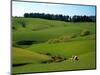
21,56
66,49
87,61
55,29
84,47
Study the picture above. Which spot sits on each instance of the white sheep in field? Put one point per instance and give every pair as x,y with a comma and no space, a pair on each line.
74,58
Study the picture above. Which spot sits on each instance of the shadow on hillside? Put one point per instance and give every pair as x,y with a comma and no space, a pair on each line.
20,64
25,42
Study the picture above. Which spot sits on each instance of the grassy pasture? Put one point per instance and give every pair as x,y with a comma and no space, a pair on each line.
21,56
65,49
40,31
59,28
87,61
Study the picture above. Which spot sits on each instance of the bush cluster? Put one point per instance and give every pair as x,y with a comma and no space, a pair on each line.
84,33
59,40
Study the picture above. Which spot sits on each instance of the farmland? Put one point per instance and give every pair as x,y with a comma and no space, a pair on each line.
35,42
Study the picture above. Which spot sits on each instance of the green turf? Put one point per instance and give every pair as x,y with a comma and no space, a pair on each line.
66,49
21,56
41,30
87,61
59,29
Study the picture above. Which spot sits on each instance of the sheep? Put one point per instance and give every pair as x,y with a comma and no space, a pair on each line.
74,58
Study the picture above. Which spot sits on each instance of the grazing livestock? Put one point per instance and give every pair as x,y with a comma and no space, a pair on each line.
74,58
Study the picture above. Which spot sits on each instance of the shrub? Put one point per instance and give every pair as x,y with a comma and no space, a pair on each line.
50,41
44,62
25,42
57,59
53,41
47,54
64,39
65,58
56,41
48,61
22,23
13,28
59,40
73,35
84,33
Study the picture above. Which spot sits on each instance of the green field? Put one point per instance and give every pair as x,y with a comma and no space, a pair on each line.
36,41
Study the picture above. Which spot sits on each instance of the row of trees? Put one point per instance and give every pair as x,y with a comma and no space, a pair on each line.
61,17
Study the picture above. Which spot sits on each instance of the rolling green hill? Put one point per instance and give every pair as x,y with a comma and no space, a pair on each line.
36,41
22,56
87,61
65,49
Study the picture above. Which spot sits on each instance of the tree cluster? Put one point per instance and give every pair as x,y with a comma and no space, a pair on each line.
84,18
60,17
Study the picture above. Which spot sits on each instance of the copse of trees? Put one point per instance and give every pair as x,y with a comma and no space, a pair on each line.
47,16
83,18
60,17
